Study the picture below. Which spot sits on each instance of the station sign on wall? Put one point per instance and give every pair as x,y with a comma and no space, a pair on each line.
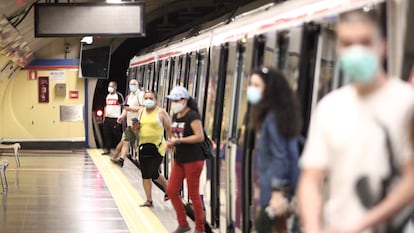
89,19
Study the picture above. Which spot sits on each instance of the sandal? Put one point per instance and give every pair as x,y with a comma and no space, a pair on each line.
166,197
147,204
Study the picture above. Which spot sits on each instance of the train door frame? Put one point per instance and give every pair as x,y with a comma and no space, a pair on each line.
216,135
306,81
248,146
231,141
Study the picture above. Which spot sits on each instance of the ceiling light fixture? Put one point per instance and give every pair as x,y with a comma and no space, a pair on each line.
87,39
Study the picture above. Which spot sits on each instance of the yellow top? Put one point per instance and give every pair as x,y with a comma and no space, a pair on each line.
151,130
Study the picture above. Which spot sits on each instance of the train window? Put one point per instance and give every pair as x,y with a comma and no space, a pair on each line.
192,73
327,61
151,77
163,82
292,57
157,74
176,71
212,88
186,68
270,50
201,85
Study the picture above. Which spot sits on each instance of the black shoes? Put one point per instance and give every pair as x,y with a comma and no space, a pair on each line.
120,161
106,152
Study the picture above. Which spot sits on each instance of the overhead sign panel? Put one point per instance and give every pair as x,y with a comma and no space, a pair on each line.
89,19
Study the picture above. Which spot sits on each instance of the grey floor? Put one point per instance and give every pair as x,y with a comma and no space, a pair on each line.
64,192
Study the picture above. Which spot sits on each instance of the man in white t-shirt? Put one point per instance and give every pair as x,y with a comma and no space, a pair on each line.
358,142
133,103
112,130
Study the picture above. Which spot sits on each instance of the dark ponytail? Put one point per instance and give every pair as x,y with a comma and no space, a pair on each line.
192,104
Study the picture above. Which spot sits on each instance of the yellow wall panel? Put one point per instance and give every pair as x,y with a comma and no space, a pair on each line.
22,117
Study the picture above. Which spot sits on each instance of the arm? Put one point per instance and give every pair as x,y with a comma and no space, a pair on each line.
166,122
132,109
309,196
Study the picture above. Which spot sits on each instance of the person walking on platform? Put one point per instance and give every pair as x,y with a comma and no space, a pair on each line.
129,138
131,106
152,145
133,102
359,140
187,133
112,130
275,115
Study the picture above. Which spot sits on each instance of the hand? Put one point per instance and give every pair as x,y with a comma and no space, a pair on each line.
279,203
171,142
119,120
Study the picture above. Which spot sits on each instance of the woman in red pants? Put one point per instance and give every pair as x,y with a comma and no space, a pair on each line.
187,133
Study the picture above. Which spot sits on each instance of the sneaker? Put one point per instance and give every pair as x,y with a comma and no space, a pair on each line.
182,229
120,161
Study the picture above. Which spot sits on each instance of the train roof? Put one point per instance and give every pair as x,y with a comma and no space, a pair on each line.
247,24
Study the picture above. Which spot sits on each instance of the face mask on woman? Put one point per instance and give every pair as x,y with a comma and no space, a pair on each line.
254,95
360,64
111,89
149,103
177,107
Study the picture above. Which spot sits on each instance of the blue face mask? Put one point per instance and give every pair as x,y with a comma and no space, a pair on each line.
133,88
149,103
111,89
254,95
359,64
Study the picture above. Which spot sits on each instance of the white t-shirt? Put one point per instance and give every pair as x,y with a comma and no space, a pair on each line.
113,106
135,99
346,139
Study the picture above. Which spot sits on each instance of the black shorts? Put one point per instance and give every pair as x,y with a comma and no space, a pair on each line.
150,166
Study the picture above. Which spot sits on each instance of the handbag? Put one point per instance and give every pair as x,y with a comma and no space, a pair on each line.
207,147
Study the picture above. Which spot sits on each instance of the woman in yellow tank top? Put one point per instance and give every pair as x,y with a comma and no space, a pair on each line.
152,144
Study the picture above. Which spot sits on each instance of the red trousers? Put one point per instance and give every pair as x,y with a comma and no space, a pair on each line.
190,171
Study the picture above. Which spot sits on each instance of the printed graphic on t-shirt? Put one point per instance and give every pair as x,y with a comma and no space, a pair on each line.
177,129
112,102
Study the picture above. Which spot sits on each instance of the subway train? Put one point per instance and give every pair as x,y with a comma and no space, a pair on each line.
214,62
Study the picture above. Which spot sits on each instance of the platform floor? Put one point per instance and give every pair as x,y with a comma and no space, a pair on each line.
79,192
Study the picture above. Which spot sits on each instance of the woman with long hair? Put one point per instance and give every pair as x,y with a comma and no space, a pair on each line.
152,145
188,134
275,115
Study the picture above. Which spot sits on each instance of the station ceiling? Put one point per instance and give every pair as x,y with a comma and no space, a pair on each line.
162,16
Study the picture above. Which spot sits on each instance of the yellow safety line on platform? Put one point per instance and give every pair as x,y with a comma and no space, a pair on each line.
138,220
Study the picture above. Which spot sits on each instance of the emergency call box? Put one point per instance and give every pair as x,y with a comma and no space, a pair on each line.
60,89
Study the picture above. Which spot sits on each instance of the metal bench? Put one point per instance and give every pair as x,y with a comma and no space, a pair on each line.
15,147
3,166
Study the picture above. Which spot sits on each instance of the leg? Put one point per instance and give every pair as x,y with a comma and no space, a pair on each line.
117,150
192,173
125,149
107,135
147,183
116,132
162,181
173,191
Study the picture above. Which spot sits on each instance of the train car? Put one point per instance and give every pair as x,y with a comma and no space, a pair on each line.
297,37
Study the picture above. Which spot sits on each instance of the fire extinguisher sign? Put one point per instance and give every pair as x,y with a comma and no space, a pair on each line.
43,89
